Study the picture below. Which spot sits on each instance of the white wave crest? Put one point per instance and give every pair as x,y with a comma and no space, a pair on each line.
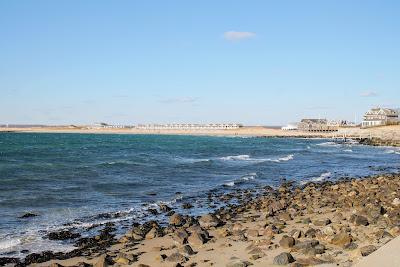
230,184
329,144
238,157
248,158
320,178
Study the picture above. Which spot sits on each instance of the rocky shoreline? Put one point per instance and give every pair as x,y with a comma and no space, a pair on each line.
319,223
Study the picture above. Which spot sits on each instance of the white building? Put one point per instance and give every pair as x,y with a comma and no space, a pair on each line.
380,117
189,126
290,127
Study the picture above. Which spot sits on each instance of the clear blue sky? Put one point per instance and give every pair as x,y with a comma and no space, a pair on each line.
254,62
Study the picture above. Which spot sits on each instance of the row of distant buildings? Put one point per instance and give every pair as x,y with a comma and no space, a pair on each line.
372,118
173,126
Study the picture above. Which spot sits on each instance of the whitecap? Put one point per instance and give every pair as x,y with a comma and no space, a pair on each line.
347,150
320,178
8,243
237,157
329,144
230,184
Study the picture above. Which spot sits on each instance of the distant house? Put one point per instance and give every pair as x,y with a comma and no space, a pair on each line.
316,125
380,117
290,127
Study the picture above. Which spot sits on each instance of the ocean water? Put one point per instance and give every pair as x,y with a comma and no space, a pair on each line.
78,180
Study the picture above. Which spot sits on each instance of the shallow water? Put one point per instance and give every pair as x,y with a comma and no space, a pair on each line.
76,180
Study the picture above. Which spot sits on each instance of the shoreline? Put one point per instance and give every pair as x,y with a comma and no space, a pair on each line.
379,136
335,229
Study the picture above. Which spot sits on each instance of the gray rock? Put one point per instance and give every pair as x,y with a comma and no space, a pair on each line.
283,259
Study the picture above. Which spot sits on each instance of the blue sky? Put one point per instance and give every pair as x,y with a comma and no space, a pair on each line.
254,62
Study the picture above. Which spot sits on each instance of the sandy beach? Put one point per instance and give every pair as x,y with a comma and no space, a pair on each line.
334,224
384,132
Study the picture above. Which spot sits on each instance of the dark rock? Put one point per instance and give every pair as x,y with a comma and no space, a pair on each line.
7,260
283,259
164,208
28,215
63,235
187,206
358,220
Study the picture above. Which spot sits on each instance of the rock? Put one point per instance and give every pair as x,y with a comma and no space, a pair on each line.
287,242
176,220
143,265
311,233
238,263
283,259
328,230
306,221
164,208
306,244
176,257
28,215
62,235
296,233
153,233
286,217
365,251
322,222
252,233
187,250
122,261
396,202
187,206
358,220
341,239
209,220
101,262
7,260
197,239
180,236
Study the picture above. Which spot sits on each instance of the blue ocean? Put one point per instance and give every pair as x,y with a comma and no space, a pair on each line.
81,180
